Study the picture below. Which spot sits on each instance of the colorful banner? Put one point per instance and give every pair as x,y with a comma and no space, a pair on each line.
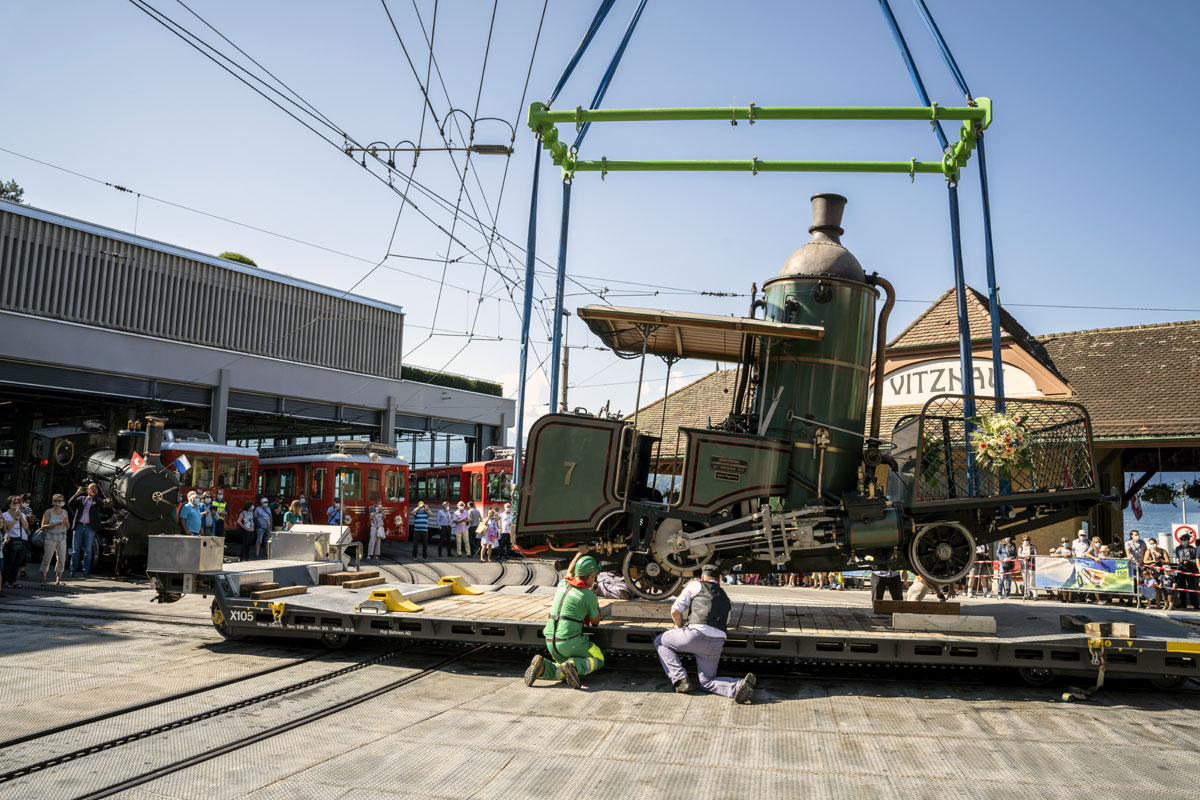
1084,574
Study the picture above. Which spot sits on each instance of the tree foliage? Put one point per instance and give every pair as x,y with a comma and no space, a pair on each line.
241,259
450,380
9,190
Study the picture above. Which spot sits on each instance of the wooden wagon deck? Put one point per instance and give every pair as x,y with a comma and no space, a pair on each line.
1027,635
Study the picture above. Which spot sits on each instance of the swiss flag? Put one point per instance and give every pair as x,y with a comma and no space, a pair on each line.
1135,504
137,462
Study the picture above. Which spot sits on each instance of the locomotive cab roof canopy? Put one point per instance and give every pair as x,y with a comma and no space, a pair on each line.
680,334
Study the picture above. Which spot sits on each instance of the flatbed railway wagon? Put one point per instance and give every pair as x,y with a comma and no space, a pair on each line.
322,600
357,473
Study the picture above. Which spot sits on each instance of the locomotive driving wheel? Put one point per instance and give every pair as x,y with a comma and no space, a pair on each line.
672,552
648,579
942,552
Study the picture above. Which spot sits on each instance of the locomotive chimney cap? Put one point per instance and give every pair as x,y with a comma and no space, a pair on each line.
824,256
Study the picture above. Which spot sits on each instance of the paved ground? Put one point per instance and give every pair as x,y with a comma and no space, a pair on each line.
472,729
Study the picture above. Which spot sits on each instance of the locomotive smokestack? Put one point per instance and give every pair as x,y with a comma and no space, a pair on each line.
827,212
824,256
154,438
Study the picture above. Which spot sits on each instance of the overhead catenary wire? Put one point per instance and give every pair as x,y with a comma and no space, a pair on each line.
661,289
564,229
204,48
524,91
424,86
531,263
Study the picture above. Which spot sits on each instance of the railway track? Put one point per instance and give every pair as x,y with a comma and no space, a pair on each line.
512,572
26,771
43,610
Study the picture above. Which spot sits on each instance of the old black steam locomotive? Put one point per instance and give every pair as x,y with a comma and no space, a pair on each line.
796,476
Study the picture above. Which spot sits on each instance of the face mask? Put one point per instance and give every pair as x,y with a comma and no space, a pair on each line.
220,496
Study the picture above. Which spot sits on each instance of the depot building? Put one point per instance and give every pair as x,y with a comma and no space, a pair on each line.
101,326
1139,384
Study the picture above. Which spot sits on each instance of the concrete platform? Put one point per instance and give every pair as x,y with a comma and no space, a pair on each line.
473,729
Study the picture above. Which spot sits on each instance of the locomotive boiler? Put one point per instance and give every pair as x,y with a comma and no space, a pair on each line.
796,476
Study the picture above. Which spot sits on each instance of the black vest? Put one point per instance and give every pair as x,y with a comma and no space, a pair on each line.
710,606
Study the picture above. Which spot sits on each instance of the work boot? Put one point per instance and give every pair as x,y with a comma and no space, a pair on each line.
683,686
745,690
570,674
534,670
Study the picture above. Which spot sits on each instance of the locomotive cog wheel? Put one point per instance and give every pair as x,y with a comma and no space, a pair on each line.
646,578
942,552
672,553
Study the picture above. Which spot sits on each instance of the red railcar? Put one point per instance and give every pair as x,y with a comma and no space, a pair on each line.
436,485
356,472
212,467
483,484
488,484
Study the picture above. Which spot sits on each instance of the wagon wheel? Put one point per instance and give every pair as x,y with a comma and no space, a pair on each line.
1166,682
1036,676
334,641
942,552
221,623
647,578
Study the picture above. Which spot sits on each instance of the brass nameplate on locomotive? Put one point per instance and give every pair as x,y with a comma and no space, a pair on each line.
728,469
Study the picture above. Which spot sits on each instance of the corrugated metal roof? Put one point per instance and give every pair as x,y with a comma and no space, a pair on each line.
679,334
183,252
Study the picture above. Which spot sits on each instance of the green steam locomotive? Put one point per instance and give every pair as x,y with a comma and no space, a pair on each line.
796,476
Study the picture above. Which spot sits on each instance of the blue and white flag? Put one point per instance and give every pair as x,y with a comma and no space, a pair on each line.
181,464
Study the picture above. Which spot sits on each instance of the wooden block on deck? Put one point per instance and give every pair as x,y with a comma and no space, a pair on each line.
246,589
1073,622
638,610
338,578
1121,630
359,583
943,624
271,594
914,607
1124,630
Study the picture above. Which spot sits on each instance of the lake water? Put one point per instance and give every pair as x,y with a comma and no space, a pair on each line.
1157,520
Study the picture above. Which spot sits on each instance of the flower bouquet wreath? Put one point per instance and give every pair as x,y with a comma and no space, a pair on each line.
1000,444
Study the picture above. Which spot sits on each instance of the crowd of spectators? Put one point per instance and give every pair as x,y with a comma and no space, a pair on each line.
1009,569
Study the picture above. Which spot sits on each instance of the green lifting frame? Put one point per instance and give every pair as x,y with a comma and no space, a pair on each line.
974,119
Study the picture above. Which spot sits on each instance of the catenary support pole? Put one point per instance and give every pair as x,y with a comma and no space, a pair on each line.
559,288
989,256
561,272
965,365
526,315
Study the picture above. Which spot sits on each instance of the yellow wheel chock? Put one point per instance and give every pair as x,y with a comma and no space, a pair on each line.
457,586
389,600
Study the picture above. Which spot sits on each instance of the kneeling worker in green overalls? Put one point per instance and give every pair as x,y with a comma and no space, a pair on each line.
575,605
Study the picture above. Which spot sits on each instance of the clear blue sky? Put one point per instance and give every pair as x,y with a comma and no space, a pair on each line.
1092,167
